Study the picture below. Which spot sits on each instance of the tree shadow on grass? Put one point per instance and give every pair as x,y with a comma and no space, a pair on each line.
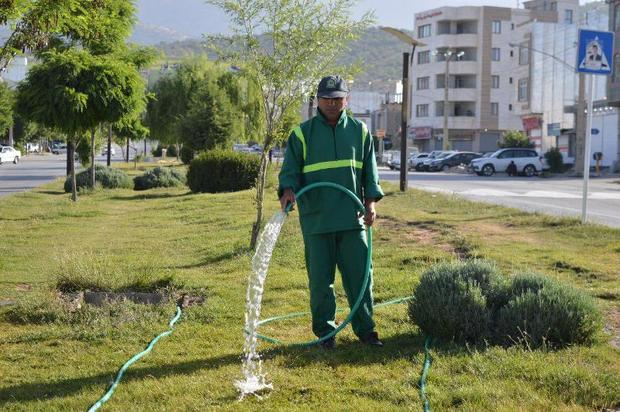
347,352
50,192
31,391
215,258
148,196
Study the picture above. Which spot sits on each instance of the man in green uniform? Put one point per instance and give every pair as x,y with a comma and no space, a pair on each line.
333,147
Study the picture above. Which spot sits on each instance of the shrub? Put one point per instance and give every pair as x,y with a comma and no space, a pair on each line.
451,301
555,160
545,312
186,154
171,151
222,171
157,151
159,177
108,177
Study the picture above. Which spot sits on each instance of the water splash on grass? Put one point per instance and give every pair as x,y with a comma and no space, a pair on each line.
254,380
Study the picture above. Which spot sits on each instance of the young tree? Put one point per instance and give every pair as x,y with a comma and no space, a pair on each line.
74,91
515,138
285,47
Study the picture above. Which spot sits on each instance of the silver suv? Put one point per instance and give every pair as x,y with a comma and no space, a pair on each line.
527,162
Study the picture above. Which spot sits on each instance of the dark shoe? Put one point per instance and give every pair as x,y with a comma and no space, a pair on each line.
328,344
372,339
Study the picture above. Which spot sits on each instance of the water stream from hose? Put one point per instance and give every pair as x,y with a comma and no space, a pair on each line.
254,380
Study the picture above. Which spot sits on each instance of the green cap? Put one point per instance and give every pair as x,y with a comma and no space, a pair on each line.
332,87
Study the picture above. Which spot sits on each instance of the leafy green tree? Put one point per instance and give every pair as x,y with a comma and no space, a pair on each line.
74,91
209,121
285,47
6,107
44,25
515,138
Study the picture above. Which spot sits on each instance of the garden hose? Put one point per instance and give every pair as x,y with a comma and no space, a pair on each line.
127,364
427,357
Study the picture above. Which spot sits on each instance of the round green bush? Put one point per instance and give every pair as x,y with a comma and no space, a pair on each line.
157,150
545,312
159,177
555,160
171,151
186,154
222,171
450,302
107,177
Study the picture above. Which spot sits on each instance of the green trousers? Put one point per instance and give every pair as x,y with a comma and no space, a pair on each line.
324,252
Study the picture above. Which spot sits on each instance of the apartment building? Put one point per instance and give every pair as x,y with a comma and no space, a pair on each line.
489,76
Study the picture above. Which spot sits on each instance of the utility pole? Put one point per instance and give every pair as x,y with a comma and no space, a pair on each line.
445,142
405,104
311,107
403,126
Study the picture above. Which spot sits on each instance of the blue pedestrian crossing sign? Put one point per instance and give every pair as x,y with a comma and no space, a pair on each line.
595,52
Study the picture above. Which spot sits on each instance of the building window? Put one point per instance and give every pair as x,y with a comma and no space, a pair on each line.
554,6
438,108
510,107
423,83
424,31
568,16
494,82
495,54
522,92
512,26
494,109
510,80
496,26
617,18
424,57
524,54
421,110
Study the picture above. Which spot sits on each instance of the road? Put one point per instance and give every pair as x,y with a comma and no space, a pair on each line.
34,170
557,195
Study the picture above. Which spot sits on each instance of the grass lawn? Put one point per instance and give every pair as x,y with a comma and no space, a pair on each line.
200,242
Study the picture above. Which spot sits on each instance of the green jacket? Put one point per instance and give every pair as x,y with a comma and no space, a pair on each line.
344,154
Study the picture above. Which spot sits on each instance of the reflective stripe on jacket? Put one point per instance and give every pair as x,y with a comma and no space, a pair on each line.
344,154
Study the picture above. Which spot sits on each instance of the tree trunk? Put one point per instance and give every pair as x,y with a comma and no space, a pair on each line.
71,158
92,158
109,159
127,160
260,195
69,148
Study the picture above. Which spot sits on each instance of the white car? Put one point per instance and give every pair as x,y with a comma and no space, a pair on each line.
59,148
9,154
104,151
527,161
416,159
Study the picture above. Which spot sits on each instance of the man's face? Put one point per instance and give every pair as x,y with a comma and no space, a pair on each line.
331,108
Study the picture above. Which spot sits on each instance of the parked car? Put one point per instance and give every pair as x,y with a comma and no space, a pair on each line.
527,161
431,155
394,163
416,159
9,154
104,151
59,148
434,155
33,148
453,160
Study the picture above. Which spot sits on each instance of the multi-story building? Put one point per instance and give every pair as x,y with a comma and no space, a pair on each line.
489,76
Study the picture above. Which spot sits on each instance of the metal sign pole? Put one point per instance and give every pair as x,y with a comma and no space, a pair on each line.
587,150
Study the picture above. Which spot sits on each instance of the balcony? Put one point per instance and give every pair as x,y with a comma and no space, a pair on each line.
457,81
457,27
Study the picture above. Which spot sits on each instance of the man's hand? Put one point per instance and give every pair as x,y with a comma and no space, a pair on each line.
371,214
288,196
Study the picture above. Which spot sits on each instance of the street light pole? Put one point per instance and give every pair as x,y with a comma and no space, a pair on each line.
401,35
445,144
403,125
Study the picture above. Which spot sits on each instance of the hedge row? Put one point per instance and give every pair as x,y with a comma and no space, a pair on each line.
222,171
473,302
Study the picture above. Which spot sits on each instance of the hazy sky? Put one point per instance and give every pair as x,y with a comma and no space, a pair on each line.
194,17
